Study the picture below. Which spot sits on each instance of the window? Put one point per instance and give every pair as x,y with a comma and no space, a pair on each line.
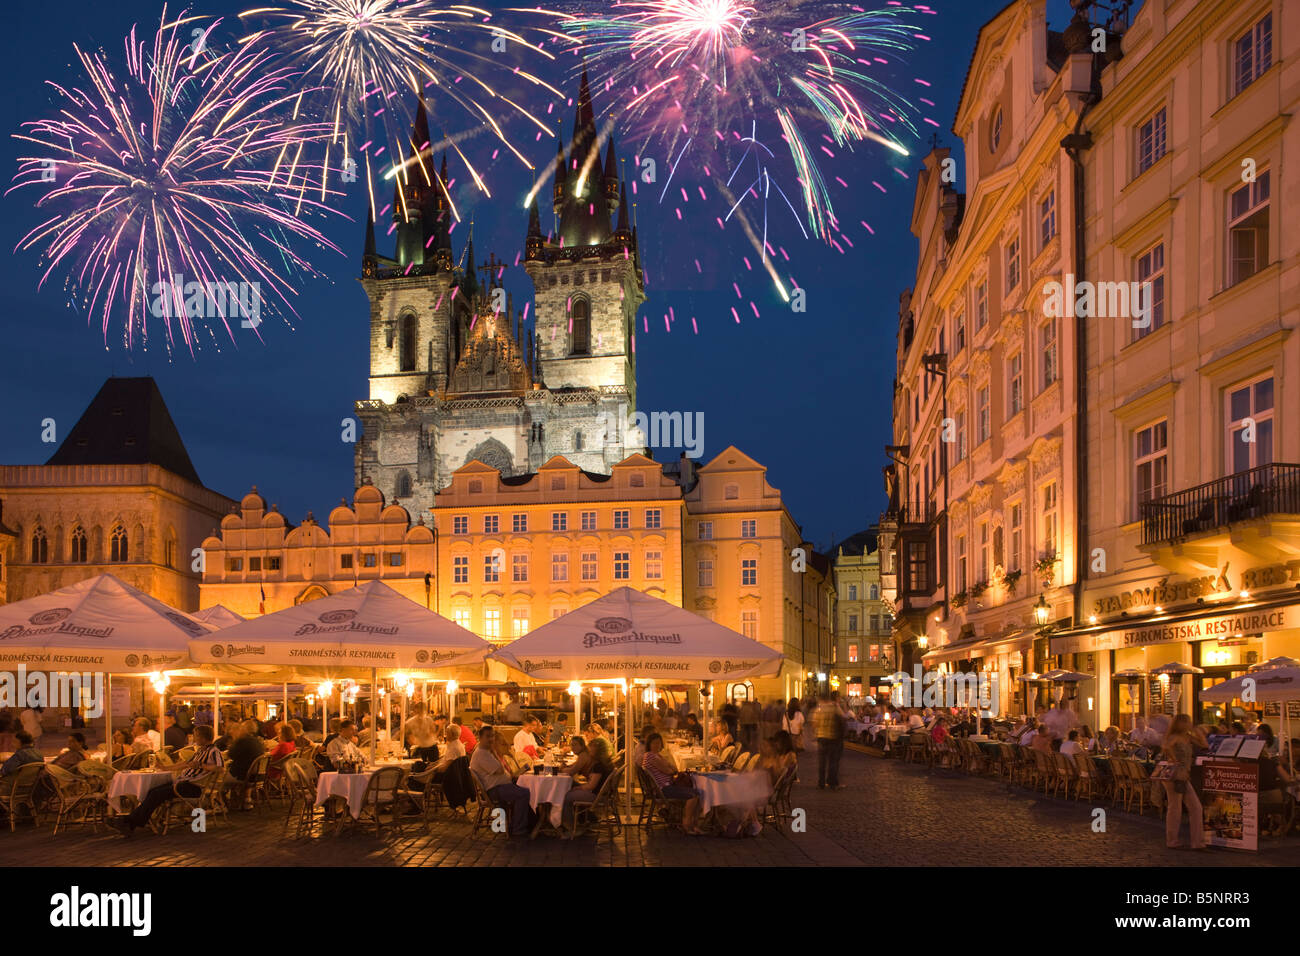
1049,520
1250,425
654,518
853,624
705,531
853,593
559,567
559,521
491,524
345,562
588,521
492,624
654,565
460,569
1151,141
1047,345
983,422
1248,228
853,653
577,441
704,573
875,624
981,305
1151,461
519,622
557,484
621,520
580,328
999,556
491,568
749,528
875,592
1017,536
273,564
461,617
636,480
1252,54
749,572
1016,385
1013,265
78,555
1047,219
118,548
622,565
476,486
394,559
407,346
961,563
557,613
731,492
519,568
255,564
960,420
749,624
984,551
40,547
995,130
237,564
918,576
1151,275
519,523
369,560
958,332
403,489
589,565
460,524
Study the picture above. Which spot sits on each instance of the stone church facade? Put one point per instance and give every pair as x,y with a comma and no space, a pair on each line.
454,375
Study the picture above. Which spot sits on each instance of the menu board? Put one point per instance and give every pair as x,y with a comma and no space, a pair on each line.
1230,796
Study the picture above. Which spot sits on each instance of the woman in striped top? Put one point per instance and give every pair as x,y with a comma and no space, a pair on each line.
661,771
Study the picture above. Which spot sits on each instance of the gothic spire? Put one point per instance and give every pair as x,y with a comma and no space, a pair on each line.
370,257
584,206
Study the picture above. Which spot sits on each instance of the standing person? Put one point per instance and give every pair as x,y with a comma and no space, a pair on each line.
751,714
1178,748
422,735
174,735
773,715
792,724
828,726
31,723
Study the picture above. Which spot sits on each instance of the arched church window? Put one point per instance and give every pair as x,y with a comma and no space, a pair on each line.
78,555
117,547
403,485
577,441
40,547
408,343
580,322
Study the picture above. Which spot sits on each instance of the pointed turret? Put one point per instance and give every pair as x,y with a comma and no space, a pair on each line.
370,257
623,233
611,177
582,200
441,227
469,284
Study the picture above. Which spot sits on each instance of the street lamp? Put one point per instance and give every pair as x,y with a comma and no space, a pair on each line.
1041,611
922,641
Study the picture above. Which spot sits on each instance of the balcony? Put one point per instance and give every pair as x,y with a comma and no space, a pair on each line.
1213,506
1244,517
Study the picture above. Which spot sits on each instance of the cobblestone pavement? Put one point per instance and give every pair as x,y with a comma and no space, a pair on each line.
903,814
888,813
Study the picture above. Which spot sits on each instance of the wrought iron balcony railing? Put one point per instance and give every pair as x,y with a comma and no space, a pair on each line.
1266,490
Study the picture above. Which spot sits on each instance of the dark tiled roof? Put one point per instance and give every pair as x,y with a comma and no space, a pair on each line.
854,544
127,423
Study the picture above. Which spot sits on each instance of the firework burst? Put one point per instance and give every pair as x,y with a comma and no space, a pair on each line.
182,166
372,57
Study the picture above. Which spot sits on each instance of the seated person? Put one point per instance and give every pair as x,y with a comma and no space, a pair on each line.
721,738
939,732
1070,746
561,729
142,741
1109,742
915,721
120,745
598,770
486,765
661,771
343,748
694,727
777,755
1042,739
75,753
173,735
584,754
244,749
186,781
525,742
284,748
452,750
25,754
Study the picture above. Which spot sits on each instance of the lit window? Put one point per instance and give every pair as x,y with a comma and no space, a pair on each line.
1250,425
559,567
492,624
654,565
853,653
519,622
462,617
704,573
460,569
589,565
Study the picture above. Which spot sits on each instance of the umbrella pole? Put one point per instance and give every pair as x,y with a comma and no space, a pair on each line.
374,711
627,729
216,707
284,713
108,718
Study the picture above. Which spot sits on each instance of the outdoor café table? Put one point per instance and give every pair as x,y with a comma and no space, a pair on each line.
135,783
688,758
730,789
547,788
352,786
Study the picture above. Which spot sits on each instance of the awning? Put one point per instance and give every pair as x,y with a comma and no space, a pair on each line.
1199,624
953,651
1021,640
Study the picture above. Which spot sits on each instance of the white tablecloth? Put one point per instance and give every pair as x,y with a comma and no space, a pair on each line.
743,790
135,784
350,786
688,758
543,788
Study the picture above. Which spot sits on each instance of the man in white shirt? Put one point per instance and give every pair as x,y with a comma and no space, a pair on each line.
1070,746
915,721
525,742
422,735
343,747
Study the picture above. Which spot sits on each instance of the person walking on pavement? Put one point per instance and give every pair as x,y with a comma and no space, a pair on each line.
828,726
751,714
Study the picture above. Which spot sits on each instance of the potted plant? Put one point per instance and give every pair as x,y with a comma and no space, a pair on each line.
1011,580
1045,567
978,588
959,599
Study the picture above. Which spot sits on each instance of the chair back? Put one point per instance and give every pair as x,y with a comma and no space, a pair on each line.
742,762
18,785
185,753
96,771
728,753
257,769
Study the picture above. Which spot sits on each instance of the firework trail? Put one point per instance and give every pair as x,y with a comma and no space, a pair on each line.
173,183
375,59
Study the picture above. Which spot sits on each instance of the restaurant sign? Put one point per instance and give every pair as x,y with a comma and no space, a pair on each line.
1195,629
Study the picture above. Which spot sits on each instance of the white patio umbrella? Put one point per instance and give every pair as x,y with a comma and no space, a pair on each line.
366,627
219,616
99,625
1275,662
632,635
1278,684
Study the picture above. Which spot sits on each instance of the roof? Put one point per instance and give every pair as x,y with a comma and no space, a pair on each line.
864,542
127,423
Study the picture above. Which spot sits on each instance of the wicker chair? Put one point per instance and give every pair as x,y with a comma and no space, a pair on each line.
301,789
76,799
602,813
918,748
778,811
180,808
743,761
380,796
656,807
486,806
16,793
1064,773
1089,783
429,798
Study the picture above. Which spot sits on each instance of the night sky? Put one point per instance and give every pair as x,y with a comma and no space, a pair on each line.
807,395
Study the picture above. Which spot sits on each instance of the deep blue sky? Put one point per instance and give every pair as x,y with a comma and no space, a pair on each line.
807,395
